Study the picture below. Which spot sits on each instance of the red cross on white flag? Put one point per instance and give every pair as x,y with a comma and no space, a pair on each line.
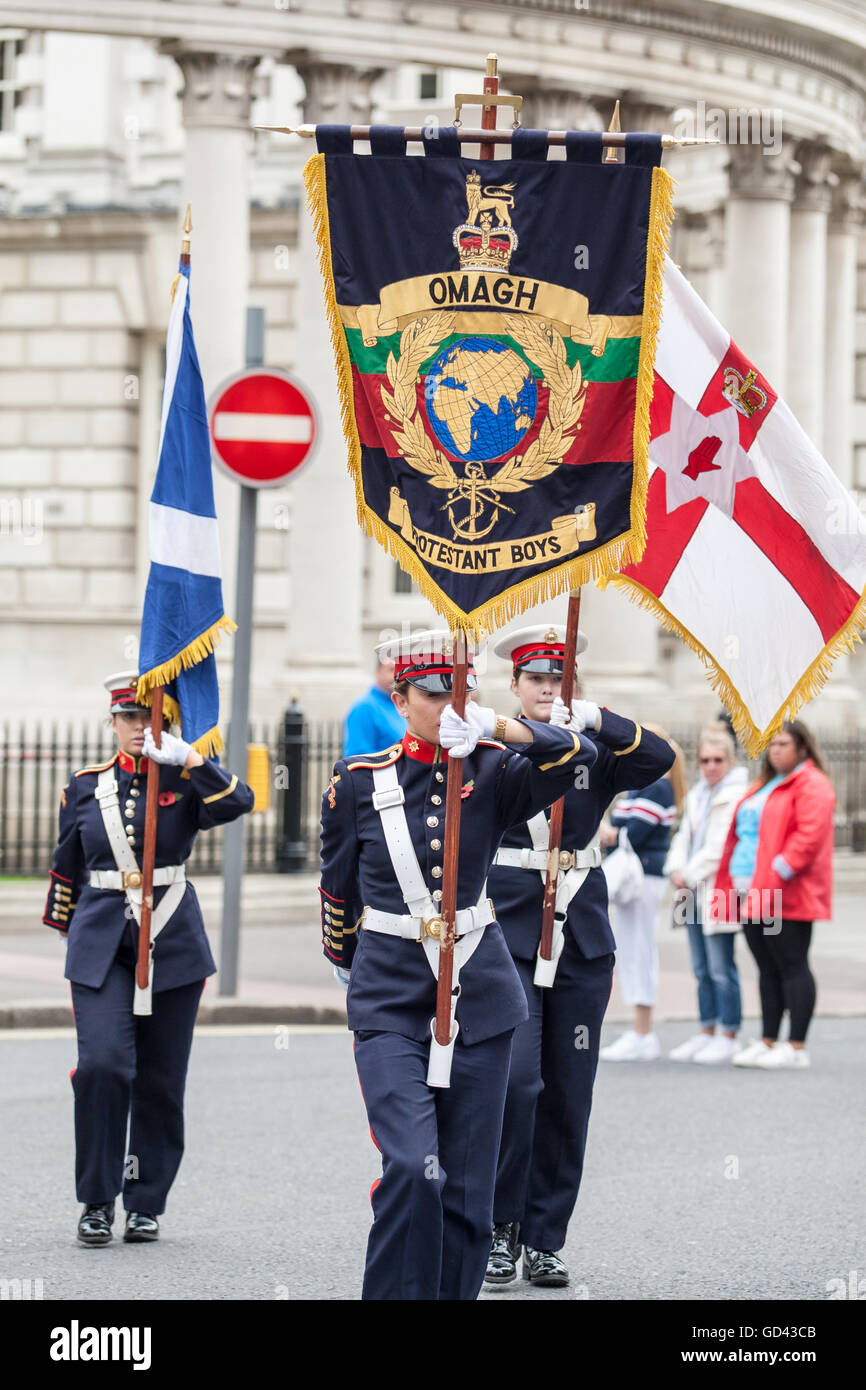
756,553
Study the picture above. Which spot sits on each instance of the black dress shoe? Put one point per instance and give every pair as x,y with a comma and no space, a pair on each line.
140,1225
545,1268
94,1228
504,1253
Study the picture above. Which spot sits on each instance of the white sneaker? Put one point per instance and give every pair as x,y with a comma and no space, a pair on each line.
632,1047
718,1050
750,1053
783,1055
687,1050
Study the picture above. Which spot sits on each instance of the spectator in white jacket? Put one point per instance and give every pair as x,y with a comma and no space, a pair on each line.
691,865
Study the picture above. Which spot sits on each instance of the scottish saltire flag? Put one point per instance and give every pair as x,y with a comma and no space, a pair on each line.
183,606
494,325
755,553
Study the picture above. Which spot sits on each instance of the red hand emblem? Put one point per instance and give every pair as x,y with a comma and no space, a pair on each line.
701,458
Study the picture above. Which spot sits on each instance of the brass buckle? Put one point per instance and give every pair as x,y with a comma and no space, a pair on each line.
434,927
566,859
133,879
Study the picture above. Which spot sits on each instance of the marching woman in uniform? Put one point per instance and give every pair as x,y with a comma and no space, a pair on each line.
555,1051
132,1068
383,835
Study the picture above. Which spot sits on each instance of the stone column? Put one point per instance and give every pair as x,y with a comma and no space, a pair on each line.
840,341
217,95
325,662
758,217
807,289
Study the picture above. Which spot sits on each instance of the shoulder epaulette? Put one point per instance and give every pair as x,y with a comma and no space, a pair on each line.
383,759
100,767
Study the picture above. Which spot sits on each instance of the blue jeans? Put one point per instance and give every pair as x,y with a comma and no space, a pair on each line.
718,980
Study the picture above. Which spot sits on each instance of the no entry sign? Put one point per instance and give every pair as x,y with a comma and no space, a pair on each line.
262,427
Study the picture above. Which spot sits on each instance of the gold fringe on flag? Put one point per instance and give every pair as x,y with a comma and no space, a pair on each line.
197,650
810,684
597,564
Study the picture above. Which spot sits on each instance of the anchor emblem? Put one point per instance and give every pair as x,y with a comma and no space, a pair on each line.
476,489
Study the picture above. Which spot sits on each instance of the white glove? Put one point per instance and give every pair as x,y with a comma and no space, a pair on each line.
171,750
559,714
460,736
584,715
342,975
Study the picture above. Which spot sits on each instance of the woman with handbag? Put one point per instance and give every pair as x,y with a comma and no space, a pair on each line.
647,817
691,866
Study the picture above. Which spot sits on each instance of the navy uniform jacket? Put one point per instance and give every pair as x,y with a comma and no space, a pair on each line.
647,812
95,917
392,988
518,893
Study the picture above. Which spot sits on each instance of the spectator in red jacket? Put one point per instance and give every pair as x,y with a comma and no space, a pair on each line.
776,873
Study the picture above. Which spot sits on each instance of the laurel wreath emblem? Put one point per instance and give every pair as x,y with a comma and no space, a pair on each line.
543,345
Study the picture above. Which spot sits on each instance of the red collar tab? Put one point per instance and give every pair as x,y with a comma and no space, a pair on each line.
130,764
421,750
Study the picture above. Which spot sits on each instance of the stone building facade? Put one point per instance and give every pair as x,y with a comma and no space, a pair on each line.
110,123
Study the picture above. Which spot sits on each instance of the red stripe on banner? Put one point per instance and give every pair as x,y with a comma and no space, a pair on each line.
668,534
829,598
606,424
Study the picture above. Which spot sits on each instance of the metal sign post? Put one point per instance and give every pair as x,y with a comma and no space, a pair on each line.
233,834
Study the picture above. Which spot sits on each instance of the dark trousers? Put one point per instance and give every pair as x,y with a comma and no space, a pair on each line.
785,980
553,1066
131,1070
433,1206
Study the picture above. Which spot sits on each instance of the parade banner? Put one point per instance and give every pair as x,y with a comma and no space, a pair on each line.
756,552
183,612
494,326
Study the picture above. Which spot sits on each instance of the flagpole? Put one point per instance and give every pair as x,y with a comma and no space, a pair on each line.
490,87
151,804
554,843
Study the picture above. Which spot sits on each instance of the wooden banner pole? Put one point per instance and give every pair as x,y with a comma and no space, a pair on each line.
555,841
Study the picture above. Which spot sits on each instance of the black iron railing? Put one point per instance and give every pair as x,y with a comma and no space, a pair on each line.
35,766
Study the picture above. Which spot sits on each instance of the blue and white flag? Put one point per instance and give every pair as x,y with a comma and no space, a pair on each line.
183,605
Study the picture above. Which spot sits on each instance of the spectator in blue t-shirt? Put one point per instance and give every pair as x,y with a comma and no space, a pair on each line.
373,722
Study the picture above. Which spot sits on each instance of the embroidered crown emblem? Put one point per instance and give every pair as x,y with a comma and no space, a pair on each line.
742,392
484,243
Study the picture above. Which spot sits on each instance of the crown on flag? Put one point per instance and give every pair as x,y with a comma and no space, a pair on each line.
742,392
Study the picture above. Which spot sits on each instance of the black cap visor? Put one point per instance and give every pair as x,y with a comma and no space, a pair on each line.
439,682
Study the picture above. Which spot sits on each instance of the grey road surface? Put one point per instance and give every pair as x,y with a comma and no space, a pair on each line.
700,1182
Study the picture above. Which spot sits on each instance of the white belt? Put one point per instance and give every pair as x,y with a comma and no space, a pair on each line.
468,919
120,880
589,858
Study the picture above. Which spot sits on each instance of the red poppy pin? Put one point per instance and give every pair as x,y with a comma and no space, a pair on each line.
467,789
167,798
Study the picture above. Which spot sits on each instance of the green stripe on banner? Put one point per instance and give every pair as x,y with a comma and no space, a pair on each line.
620,360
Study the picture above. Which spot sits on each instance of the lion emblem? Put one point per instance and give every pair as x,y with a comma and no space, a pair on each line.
493,197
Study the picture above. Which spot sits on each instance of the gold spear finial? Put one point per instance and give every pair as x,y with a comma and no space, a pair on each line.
611,153
187,228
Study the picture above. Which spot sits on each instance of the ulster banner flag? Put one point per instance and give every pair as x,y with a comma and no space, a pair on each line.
755,553
494,326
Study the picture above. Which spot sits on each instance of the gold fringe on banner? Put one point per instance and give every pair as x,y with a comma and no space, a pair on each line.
809,685
196,651
658,238
599,563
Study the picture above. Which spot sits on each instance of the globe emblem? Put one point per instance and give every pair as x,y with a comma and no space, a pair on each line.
481,398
